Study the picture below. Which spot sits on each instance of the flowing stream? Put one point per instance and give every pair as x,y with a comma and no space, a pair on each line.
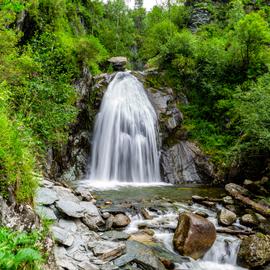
164,204
125,144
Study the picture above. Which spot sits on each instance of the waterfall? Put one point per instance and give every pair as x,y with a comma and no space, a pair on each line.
124,142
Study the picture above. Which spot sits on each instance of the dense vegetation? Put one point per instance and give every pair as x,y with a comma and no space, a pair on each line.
221,64
19,251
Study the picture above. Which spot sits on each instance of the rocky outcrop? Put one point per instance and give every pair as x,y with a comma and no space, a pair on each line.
118,63
255,251
184,162
194,235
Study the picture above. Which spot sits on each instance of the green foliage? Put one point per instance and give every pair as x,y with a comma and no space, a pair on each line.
19,251
250,115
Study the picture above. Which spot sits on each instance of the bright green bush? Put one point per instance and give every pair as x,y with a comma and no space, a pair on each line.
19,251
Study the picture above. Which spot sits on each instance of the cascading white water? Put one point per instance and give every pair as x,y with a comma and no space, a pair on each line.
124,143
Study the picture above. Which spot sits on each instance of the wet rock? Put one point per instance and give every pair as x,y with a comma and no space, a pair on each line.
46,196
115,235
202,214
231,207
71,209
63,237
109,222
108,251
226,217
194,235
228,200
106,215
46,213
93,222
140,254
142,237
249,220
118,63
255,251
84,193
120,220
184,162
146,214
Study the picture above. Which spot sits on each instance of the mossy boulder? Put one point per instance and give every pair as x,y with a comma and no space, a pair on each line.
254,251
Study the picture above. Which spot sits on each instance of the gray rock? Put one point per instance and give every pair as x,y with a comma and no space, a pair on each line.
106,215
65,194
115,235
174,120
63,237
226,217
108,251
93,222
120,220
142,255
160,100
84,193
46,196
87,266
90,208
67,225
46,213
70,208
46,183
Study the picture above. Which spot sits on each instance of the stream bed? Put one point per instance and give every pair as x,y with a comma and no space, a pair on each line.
164,204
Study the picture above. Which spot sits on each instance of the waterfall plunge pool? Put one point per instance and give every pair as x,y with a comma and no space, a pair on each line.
164,203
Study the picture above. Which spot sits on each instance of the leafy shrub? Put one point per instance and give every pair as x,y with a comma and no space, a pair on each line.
19,251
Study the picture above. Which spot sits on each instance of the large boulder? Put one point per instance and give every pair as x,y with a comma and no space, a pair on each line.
255,251
194,235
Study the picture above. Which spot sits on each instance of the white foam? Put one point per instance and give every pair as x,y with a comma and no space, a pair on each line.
114,184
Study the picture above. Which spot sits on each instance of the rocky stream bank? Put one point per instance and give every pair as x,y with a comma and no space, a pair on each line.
151,234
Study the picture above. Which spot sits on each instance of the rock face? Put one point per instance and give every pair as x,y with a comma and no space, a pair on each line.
255,251
181,161
226,217
194,235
